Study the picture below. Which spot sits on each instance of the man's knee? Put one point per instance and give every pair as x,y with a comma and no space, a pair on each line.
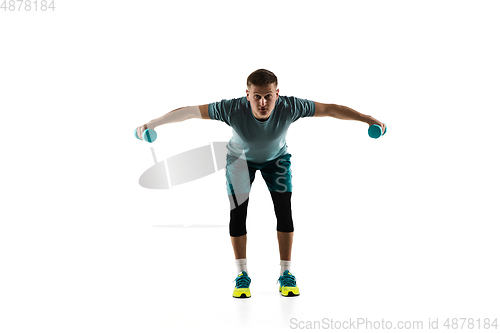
237,223
283,210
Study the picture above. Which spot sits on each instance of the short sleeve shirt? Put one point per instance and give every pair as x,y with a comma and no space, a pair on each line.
259,141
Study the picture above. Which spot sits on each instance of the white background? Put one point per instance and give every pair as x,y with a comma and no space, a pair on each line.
400,228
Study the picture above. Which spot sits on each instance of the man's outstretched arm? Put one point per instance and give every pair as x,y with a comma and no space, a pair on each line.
345,113
181,114
175,116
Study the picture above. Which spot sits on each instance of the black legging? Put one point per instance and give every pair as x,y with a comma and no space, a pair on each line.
282,209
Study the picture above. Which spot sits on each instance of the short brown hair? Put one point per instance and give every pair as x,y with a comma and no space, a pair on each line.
262,77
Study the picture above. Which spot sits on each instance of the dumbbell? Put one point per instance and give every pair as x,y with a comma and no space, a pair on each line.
375,131
149,135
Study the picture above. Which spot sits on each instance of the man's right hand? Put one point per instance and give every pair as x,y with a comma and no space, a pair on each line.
141,130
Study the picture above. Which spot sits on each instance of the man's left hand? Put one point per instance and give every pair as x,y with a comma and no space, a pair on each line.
373,121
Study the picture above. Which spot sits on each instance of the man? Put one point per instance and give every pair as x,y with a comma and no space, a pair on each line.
260,123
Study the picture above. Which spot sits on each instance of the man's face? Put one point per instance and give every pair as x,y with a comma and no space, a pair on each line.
262,99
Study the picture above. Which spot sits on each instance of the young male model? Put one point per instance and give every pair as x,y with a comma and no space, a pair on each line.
260,122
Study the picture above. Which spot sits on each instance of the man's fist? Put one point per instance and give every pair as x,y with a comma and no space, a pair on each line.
141,130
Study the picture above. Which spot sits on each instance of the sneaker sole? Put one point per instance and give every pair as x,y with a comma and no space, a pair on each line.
290,293
242,293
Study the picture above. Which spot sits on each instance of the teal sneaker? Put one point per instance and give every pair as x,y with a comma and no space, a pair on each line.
288,286
242,289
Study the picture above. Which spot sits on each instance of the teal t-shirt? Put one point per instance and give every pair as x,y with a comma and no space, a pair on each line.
259,141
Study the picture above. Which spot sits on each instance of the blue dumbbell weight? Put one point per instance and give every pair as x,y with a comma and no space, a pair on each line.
149,135
375,131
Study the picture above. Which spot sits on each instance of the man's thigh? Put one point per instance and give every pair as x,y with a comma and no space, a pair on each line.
239,176
278,174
